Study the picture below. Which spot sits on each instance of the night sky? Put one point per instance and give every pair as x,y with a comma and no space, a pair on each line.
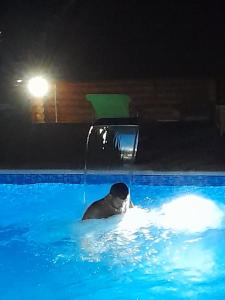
112,39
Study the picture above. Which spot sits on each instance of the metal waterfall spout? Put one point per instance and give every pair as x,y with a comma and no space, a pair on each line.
112,143
125,140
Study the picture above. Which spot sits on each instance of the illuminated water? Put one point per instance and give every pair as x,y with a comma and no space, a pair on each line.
47,253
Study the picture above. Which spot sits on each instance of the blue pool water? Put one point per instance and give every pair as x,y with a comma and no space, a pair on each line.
170,246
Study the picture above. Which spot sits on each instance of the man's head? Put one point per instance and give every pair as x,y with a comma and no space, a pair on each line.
119,190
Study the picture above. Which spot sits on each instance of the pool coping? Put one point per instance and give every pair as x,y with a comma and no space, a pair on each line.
101,172
150,178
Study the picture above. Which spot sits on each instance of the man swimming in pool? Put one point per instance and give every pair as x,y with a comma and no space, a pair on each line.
115,203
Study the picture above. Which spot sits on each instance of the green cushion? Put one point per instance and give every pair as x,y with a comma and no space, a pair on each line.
110,105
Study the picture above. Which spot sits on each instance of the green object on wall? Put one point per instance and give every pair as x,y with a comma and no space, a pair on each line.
110,105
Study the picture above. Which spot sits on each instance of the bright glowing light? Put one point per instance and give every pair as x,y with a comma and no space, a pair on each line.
189,213
19,80
38,86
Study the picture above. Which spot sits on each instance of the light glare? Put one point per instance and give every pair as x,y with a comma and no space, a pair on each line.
189,213
38,86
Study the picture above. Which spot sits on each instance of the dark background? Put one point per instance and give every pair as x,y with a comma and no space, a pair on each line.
87,40
107,39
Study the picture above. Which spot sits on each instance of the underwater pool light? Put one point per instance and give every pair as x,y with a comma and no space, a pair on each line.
190,213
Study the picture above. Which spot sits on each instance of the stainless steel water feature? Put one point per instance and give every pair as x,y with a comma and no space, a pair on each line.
112,142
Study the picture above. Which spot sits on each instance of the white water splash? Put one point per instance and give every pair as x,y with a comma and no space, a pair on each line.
189,213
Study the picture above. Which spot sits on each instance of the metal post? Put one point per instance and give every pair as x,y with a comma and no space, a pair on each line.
56,111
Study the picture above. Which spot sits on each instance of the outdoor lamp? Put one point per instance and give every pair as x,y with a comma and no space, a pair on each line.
38,86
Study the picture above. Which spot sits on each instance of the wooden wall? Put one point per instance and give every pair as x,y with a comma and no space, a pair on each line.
158,99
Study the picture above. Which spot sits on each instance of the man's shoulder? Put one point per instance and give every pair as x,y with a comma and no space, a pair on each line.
93,209
97,203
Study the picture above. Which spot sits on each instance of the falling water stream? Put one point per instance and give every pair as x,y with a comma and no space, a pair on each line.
111,147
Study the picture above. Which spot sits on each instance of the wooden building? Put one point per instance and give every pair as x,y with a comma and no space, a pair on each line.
154,100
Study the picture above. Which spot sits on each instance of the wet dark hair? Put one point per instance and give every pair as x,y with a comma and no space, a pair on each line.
119,190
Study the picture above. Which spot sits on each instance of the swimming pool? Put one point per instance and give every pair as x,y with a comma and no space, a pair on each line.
170,246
